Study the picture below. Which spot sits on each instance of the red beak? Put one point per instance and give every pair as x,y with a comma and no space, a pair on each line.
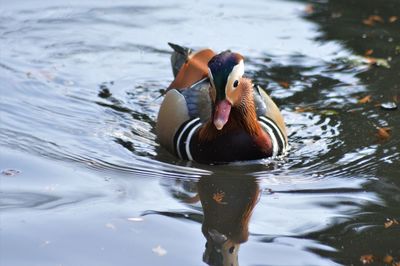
221,114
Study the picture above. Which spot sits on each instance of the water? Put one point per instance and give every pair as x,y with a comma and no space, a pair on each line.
84,181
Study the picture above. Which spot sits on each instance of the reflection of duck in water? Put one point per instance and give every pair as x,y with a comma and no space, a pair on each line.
212,114
227,205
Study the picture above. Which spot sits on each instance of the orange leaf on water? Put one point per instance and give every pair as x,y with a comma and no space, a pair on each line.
367,259
365,99
390,222
300,109
388,259
383,133
284,84
369,52
371,20
218,197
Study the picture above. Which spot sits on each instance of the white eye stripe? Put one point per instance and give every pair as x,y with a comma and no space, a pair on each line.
236,73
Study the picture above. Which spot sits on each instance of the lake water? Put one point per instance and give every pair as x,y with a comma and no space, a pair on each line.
84,182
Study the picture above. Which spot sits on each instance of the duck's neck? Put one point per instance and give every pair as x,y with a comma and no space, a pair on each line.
242,117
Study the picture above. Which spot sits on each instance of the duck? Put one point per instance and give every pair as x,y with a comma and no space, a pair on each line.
211,113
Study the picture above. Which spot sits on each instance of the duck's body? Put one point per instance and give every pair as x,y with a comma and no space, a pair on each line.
211,114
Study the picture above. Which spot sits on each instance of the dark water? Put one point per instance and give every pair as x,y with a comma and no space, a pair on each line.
84,181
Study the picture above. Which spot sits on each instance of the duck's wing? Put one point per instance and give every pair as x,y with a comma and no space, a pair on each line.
181,106
198,100
188,67
265,106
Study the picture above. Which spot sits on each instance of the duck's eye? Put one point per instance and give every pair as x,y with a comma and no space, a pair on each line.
235,83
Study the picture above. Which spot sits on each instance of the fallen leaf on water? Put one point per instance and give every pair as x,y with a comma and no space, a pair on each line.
383,133
367,259
388,259
393,19
284,84
365,99
381,62
329,112
300,109
10,172
390,222
371,20
159,251
135,219
218,197
111,226
388,106
369,52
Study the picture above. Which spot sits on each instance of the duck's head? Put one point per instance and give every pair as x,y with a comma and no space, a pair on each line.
225,71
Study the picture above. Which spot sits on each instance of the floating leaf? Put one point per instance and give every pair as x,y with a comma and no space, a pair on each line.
380,62
369,52
284,84
303,109
389,106
383,133
388,259
10,172
367,259
218,197
329,112
111,226
159,251
372,20
390,222
393,19
365,99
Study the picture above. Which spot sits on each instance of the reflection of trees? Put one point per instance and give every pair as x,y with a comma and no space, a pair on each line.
368,28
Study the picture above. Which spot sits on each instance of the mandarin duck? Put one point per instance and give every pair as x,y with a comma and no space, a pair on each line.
212,114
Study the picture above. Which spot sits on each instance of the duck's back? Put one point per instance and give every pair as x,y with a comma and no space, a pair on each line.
189,67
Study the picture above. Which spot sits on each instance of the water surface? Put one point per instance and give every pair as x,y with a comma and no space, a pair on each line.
84,181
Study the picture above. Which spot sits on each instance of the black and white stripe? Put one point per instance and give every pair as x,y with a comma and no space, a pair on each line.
183,137
279,144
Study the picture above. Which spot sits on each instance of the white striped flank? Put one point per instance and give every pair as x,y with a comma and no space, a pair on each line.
274,131
188,139
275,146
178,141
